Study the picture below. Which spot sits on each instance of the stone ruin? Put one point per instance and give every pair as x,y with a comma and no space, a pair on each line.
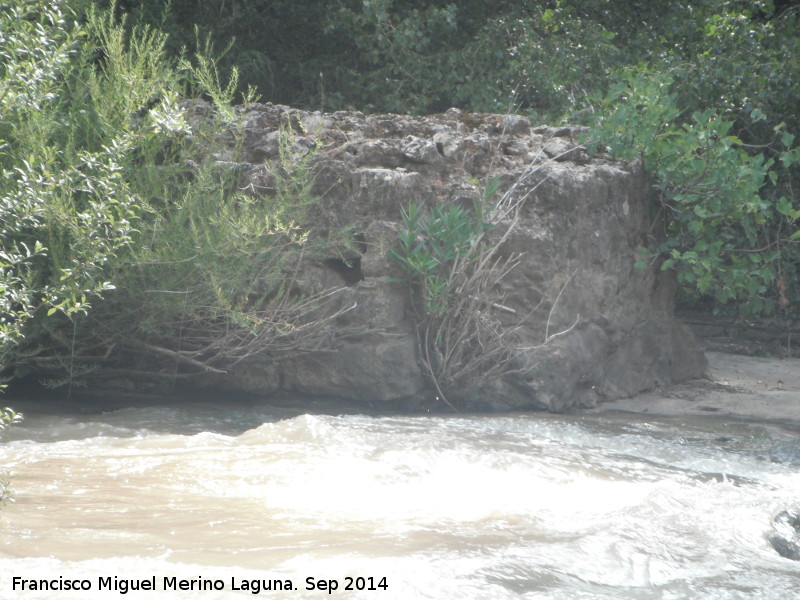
579,236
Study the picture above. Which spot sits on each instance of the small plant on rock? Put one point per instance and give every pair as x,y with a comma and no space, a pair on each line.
451,267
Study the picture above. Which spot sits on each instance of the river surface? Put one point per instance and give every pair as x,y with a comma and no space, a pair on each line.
241,498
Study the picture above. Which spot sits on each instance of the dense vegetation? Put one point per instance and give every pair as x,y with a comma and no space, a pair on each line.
104,173
123,232
707,92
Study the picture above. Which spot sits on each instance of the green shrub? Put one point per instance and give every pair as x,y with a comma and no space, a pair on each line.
7,418
430,244
65,206
112,201
451,268
212,278
726,238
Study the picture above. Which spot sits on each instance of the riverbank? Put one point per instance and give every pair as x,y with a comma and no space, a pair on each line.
737,386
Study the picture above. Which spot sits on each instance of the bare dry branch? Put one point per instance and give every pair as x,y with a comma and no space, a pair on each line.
465,343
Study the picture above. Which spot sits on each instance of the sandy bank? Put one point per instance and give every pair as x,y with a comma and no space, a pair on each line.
738,386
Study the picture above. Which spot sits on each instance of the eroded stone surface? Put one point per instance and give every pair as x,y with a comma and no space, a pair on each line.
582,226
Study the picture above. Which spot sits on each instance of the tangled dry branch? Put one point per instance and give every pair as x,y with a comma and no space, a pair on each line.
466,346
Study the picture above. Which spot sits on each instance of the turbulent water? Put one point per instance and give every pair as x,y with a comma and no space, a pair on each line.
227,500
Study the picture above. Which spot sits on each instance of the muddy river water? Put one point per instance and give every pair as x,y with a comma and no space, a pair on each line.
223,500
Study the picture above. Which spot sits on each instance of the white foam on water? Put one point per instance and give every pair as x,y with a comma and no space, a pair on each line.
470,507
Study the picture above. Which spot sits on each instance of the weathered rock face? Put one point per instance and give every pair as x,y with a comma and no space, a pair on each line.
579,236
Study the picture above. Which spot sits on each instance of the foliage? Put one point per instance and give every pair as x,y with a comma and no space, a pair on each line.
398,55
7,418
724,237
451,268
423,55
733,64
97,103
430,244
110,192
215,277
65,207
743,59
